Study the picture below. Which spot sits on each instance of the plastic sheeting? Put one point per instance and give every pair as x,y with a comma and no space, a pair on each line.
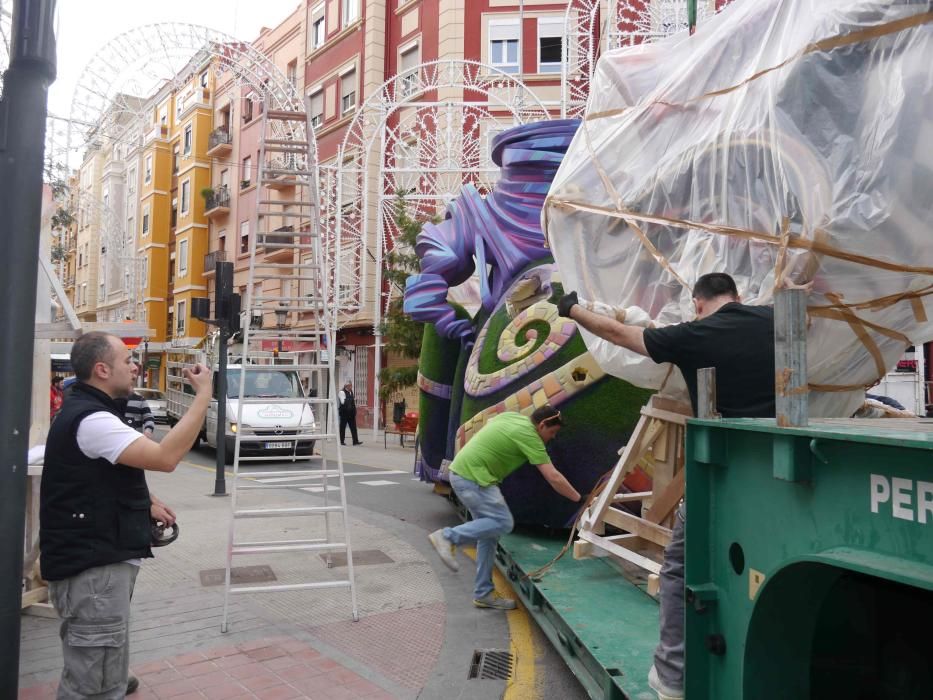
787,140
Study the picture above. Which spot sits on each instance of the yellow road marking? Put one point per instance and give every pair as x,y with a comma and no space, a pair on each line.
523,685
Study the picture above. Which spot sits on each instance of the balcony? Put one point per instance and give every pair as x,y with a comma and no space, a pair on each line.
219,142
279,241
159,132
211,260
279,175
217,203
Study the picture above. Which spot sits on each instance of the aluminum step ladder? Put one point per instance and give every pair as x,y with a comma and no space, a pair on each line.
287,290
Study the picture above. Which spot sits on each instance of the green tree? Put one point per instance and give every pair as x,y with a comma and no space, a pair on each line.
401,333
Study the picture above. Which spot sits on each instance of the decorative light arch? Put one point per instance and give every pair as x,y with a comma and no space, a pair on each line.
425,132
594,26
113,96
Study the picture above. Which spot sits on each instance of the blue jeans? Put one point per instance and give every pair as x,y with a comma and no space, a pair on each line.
491,518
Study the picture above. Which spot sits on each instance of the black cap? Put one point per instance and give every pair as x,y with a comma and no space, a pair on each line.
547,414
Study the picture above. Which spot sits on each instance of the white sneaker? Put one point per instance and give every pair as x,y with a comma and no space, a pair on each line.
664,693
445,548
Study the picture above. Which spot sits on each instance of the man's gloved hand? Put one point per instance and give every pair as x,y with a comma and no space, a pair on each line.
565,303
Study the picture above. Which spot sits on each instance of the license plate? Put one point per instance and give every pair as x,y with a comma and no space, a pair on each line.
278,445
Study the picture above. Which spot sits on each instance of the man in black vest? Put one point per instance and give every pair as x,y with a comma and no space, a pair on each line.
738,341
95,509
347,413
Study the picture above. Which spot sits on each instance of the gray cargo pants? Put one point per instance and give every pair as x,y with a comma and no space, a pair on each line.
95,611
669,656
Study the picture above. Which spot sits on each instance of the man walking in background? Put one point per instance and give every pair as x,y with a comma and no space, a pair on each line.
138,415
95,510
346,409
504,444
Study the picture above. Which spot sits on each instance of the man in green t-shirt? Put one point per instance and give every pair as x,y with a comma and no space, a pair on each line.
504,444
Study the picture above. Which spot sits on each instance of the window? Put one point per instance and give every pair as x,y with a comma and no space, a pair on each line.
185,196
146,220
147,178
181,308
222,240
203,79
131,182
176,152
407,61
318,32
84,293
348,92
291,72
351,11
503,45
248,108
131,227
247,172
183,257
187,149
224,179
317,109
550,44
244,237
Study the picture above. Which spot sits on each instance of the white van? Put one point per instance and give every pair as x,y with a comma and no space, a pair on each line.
279,426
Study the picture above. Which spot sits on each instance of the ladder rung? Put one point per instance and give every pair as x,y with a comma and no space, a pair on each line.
279,458
286,116
291,214
303,437
294,472
253,544
284,401
284,485
284,512
284,142
286,172
273,246
274,547
286,202
287,266
290,587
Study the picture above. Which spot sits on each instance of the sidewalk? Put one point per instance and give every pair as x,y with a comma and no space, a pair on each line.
283,645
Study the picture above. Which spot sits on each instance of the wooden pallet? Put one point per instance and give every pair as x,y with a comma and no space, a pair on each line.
657,446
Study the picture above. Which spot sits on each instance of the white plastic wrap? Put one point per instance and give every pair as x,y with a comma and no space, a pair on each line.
789,138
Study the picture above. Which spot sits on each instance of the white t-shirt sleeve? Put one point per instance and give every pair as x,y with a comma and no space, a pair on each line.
102,434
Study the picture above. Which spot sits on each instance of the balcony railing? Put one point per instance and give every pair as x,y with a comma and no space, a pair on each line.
219,199
281,239
219,137
211,260
159,131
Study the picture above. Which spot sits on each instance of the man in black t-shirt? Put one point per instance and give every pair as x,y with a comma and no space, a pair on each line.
737,340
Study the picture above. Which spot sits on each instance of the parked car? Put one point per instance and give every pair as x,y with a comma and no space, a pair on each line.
157,404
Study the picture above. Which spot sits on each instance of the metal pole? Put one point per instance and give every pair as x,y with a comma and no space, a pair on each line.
220,476
692,15
23,112
790,357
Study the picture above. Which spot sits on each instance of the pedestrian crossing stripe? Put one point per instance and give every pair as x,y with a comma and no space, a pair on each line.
379,483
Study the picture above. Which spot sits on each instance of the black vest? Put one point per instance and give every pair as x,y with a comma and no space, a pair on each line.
91,512
349,404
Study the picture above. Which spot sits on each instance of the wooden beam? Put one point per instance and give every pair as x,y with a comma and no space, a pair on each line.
664,503
629,497
36,595
638,526
621,552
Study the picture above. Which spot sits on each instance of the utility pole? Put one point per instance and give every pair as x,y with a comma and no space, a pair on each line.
23,111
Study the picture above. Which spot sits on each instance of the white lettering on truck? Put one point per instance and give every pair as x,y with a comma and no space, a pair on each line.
909,500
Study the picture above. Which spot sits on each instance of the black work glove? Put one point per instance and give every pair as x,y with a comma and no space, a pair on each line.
565,303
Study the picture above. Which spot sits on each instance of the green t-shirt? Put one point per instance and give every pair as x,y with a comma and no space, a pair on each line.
505,443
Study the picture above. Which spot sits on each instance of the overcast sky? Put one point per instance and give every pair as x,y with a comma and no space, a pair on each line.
85,26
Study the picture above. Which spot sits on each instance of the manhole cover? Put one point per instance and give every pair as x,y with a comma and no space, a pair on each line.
261,573
361,557
490,663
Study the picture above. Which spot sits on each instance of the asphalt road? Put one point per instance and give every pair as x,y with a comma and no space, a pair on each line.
410,510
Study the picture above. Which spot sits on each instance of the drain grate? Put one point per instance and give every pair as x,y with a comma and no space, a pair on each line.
261,573
490,664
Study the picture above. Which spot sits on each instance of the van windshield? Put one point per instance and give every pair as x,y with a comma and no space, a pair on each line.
262,384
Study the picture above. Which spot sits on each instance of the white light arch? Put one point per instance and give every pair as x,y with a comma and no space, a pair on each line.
444,111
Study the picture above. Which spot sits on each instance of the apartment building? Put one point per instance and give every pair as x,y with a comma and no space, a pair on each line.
87,236
174,174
